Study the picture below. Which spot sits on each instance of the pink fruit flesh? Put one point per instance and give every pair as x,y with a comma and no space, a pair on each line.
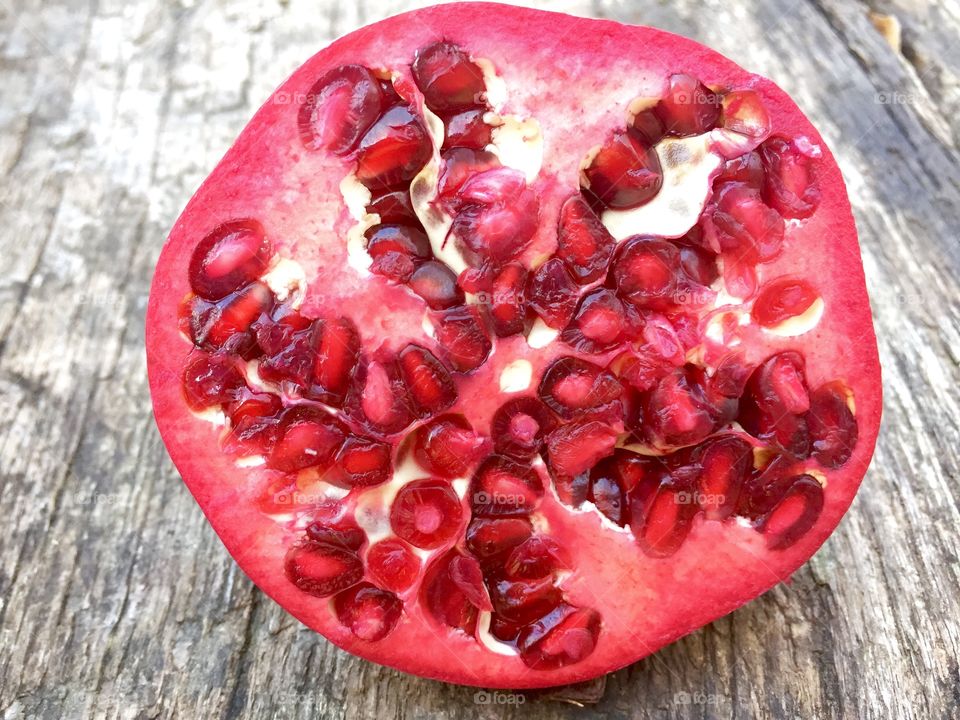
485,404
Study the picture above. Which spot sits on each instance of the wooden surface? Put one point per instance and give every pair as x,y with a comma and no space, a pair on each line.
119,601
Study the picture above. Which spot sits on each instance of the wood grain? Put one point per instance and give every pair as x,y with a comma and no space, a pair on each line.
116,598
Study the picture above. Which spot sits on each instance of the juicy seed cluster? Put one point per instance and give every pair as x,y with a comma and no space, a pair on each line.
641,416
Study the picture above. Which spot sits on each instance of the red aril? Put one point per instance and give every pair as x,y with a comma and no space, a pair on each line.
443,360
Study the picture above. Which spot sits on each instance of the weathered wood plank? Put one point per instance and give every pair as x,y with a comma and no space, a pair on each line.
117,600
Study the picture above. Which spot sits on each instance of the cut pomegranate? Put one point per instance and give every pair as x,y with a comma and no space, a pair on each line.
233,255
367,611
625,172
339,108
426,513
466,353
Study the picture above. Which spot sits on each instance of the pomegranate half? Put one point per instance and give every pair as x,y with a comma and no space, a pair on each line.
505,347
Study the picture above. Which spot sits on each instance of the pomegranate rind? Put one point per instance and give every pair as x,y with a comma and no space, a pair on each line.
269,175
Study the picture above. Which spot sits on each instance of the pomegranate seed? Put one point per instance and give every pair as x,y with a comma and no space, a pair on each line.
309,438
688,108
793,505
447,78
293,362
430,385
647,126
364,462
524,600
393,564
601,323
724,463
345,534
426,513
564,637
774,405
583,242
746,228
499,214
491,538
744,113
458,166
507,308
790,185
536,557
575,448
396,249
448,446
367,611
519,426
322,570
700,267
646,270
502,487
781,299
504,630
730,377
462,336
339,108
552,293
250,405
664,520
467,129
437,285
678,412
572,387
393,150
468,577
833,427
626,172
216,325
254,426
606,493
337,355
383,402
276,331
444,600
210,380
746,169
390,95
395,208
233,255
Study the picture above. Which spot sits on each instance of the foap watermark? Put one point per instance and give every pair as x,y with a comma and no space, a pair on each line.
698,697
895,97
696,497
501,500
486,697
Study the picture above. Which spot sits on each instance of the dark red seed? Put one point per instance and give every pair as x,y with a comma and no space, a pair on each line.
448,446
833,427
662,523
678,411
367,611
444,600
790,185
606,492
310,438
498,215
504,487
393,564
491,538
646,270
467,129
467,575
344,535
395,208
689,107
380,399
524,600
566,636
583,242
337,344
744,225
776,402
781,299
426,513
519,426
601,322
437,285
725,462
216,325
575,448
791,507
234,254
210,380
339,108
572,387
322,570
746,169
463,338
429,383
293,363
552,293
536,557
458,166
648,126
393,150
626,172
364,462
395,250
447,77
507,302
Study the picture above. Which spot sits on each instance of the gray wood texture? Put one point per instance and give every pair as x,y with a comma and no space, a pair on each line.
116,598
